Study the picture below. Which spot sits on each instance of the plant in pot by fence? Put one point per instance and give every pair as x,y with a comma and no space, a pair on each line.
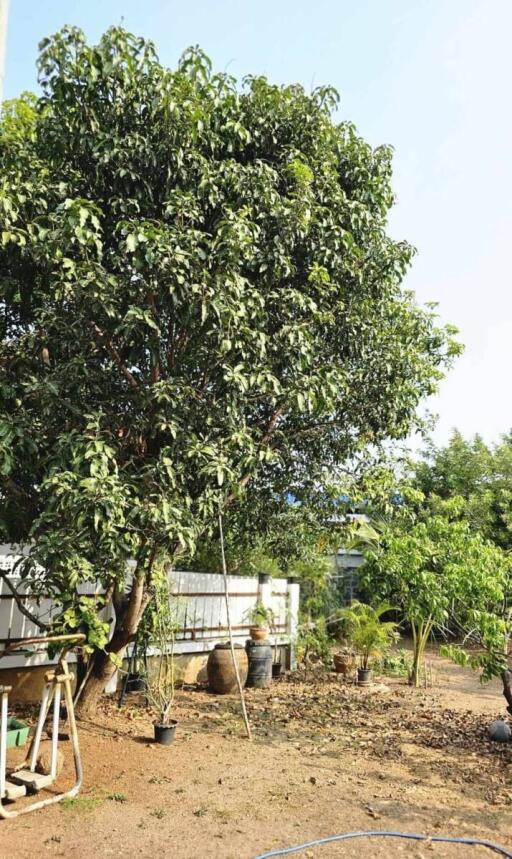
314,645
162,625
368,635
136,674
261,619
344,658
344,661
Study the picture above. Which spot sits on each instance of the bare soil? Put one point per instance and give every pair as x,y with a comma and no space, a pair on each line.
326,758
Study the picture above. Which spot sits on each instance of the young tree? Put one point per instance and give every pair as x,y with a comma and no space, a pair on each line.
473,481
196,286
440,576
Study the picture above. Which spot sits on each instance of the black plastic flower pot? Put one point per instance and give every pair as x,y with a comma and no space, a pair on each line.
276,670
364,676
165,734
136,683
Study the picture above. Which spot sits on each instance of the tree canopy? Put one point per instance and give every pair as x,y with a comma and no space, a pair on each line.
196,286
479,476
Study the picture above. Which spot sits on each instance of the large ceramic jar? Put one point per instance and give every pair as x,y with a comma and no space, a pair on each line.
220,669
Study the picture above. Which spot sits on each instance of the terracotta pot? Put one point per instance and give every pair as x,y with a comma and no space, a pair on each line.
258,633
343,663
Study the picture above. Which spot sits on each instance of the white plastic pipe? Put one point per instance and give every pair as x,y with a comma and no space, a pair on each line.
43,712
55,731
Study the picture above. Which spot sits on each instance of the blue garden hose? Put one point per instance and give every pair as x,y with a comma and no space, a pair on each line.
475,842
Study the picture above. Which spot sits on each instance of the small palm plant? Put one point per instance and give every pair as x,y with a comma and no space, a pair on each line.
367,634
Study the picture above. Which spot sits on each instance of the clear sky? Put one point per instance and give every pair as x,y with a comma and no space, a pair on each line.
431,77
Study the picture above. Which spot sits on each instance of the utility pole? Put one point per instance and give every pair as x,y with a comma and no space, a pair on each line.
4,14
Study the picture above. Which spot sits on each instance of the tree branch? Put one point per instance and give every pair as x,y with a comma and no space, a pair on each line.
315,428
155,368
175,346
114,354
265,437
272,423
18,599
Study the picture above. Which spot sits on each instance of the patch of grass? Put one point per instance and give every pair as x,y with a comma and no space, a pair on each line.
117,797
53,838
200,812
223,814
81,803
159,779
158,812
397,663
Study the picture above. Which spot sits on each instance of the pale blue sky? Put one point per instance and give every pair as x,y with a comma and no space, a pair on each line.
431,77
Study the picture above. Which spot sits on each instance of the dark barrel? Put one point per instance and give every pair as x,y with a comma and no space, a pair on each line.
260,664
220,669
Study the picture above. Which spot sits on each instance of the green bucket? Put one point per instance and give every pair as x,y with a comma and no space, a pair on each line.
17,733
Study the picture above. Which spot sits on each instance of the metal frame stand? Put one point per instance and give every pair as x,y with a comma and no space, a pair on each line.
24,778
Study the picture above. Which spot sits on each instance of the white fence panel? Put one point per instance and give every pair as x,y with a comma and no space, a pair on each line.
202,614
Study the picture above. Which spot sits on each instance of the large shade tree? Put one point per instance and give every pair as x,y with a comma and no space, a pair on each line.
196,286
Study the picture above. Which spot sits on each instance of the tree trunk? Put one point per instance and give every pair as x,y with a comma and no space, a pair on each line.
128,618
420,640
102,671
413,674
506,679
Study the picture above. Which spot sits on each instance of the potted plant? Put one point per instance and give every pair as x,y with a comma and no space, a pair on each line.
368,635
344,661
261,619
161,675
136,679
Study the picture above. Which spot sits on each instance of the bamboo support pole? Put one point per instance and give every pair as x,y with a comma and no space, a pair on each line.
230,631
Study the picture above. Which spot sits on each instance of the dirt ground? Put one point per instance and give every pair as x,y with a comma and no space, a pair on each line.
326,758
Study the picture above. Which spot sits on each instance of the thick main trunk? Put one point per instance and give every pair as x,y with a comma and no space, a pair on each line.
127,622
102,671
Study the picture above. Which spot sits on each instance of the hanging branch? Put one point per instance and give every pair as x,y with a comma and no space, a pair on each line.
18,599
116,357
230,631
78,693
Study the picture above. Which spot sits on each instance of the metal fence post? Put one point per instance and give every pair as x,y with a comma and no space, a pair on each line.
265,589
